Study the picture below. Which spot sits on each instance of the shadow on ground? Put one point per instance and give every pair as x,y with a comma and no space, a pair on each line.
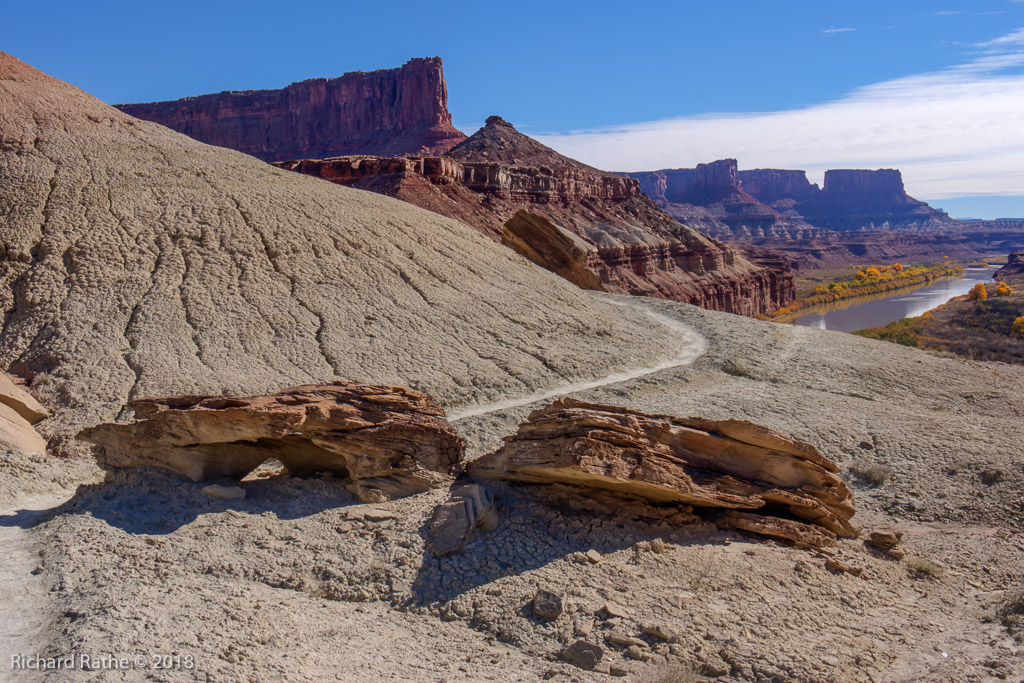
541,525
150,501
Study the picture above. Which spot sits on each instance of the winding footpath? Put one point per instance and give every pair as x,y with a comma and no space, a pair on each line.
691,347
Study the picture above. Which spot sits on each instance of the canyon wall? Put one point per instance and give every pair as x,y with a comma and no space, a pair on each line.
597,229
387,112
858,216
772,184
768,198
715,189
1014,268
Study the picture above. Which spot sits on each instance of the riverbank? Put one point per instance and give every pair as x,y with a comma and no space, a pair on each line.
977,330
867,281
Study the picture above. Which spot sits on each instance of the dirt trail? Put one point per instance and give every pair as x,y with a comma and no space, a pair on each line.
691,347
26,609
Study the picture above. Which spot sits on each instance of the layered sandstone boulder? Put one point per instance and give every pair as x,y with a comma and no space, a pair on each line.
793,490
387,112
388,441
18,412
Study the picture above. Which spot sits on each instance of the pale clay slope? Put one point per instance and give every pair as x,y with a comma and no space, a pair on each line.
138,262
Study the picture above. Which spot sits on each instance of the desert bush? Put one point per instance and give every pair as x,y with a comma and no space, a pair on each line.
978,293
1012,612
991,475
870,472
1018,326
925,568
1003,289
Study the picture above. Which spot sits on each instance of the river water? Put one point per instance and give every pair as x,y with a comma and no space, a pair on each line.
879,309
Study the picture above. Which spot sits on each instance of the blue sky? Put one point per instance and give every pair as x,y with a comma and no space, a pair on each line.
933,88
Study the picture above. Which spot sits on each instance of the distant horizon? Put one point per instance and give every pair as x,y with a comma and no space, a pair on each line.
936,93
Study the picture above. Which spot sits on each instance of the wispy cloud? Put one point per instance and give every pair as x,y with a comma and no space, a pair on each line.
954,132
838,30
1009,40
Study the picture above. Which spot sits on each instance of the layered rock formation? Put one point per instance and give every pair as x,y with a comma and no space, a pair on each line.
387,441
858,216
1014,268
714,189
18,412
597,229
386,112
711,196
859,199
139,262
769,198
704,463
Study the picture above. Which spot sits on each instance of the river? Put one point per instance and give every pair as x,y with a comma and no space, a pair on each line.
876,310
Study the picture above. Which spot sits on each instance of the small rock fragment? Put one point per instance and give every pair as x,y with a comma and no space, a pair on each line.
884,539
613,610
658,546
583,654
593,556
378,515
456,520
619,670
659,631
224,492
634,652
548,604
839,567
626,641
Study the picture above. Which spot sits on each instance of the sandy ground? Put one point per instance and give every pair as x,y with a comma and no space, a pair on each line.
301,582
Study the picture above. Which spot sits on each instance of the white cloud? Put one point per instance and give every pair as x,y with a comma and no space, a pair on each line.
838,30
1010,39
953,133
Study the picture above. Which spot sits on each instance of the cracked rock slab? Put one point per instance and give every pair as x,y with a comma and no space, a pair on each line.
388,441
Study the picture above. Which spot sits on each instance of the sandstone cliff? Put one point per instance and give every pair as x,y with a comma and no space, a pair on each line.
771,198
387,112
1014,268
859,216
596,228
715,190
858,199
